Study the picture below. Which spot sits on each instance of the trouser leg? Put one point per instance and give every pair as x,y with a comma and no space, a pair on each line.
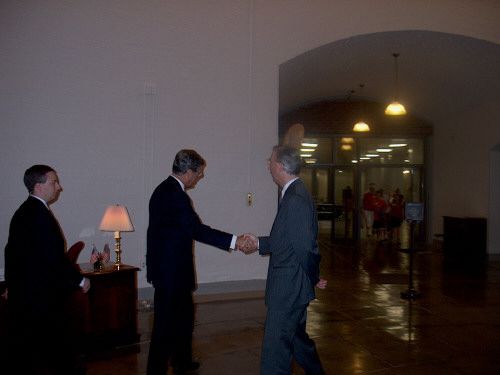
276,356
183,330
304,349
285,337
160,347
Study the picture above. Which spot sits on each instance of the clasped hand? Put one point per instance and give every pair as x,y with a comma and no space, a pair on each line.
247,243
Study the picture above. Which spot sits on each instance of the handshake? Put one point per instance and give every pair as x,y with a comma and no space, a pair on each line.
247,243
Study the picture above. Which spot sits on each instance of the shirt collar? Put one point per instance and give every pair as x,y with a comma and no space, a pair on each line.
180,182
286,186
41,200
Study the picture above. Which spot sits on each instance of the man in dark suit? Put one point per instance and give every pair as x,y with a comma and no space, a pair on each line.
293,270
39,277
173,225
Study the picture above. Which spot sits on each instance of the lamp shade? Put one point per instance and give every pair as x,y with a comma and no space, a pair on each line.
361,126
347,140
116,219
346,147
395,109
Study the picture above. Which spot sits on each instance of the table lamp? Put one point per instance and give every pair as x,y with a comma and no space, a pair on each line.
116,219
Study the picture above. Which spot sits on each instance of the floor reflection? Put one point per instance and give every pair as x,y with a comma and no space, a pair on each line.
360,323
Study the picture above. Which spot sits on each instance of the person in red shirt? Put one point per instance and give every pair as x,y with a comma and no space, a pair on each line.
368,208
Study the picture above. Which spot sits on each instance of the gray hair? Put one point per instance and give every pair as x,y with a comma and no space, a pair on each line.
289,157
185,160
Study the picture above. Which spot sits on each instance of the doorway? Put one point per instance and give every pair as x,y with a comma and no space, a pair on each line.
394,187
339,176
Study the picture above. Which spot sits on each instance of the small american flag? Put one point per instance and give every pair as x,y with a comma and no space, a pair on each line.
94,257
105,254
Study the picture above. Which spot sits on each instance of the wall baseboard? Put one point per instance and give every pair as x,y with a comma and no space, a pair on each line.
219,291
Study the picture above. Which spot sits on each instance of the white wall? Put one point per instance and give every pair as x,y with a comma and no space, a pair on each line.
461,162
108,91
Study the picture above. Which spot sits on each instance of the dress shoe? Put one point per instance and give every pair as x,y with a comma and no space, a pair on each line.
185,368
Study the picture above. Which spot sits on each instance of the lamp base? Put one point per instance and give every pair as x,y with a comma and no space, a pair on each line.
118,250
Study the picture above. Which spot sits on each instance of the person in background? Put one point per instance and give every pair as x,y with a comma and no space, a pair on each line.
39,278
380,209
293,270
369,199
173,226
348,202
396,215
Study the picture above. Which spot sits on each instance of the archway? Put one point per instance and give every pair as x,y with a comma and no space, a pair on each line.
435,83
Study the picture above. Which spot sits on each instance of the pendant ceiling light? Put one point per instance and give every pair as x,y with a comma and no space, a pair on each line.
395,108
361,125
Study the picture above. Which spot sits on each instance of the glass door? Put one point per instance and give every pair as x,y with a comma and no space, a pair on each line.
383,194
318,182
339,171
343,222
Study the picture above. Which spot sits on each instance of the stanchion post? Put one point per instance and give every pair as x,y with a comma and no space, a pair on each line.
411,293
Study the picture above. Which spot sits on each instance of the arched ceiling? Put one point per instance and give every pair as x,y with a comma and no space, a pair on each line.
438,72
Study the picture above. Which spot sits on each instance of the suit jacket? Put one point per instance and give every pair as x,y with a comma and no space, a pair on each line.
294,256
173,225
37,271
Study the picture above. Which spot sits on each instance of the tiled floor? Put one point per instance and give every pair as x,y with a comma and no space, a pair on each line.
360,323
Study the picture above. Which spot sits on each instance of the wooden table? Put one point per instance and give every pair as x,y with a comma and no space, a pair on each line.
3,325
110,306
